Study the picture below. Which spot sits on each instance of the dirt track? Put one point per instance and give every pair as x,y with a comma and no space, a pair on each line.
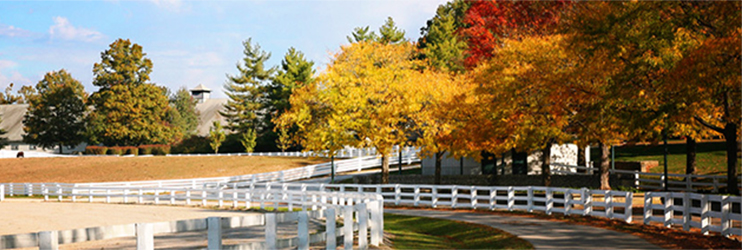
30,215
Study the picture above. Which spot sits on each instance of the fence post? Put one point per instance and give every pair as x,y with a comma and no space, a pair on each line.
608,198
362,226
2,192
716,185
493,198
330,240
397,194
726,223
157,196
48,240
221,198
636,179
647,207
10,189
705,214
668,209
587,199
59,193
348,227
567,202
530,199
235,203
140,198
549,200
126,194
145,236
108,196
473,199
434,198
270,231
188,197
214,236
686,211
376,221
303,230
45,192
511,198
454,196
417,195
629,207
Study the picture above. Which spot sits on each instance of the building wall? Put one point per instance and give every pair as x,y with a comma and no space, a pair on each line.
564,154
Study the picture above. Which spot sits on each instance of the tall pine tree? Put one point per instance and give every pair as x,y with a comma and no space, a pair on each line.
440,42
247,91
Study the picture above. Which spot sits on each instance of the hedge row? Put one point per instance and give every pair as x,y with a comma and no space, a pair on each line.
129,150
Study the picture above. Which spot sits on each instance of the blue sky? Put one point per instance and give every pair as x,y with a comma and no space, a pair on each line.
189,42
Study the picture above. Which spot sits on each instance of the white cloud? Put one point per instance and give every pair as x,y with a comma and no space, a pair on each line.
9,75
63,29
12,31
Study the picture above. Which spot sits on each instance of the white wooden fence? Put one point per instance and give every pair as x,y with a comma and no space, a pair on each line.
367,208
715,213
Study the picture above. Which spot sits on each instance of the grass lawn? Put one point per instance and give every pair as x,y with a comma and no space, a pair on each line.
429,233
100,169
710,156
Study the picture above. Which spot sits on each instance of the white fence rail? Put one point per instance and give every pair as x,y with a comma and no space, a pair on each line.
710,213
367,208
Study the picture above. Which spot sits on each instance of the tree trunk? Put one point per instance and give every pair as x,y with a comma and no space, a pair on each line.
60,148
730,134
546,165
605,165
438,159
690,155
384,169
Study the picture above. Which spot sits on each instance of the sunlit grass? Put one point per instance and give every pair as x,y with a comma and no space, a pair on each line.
427,233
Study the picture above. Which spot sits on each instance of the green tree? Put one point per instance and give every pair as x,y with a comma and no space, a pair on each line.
26,93
388,34
216,136
295,72
440,42
247,91
187,116
248,140
128,110
56,114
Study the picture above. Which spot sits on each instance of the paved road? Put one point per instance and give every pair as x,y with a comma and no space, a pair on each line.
542,234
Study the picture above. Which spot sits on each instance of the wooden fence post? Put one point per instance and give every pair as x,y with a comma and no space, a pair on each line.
303,230
726,223
48,240
668,209
330,240
145,236
629,207
214,235
362,226
648,213
705,207
530,199
270,231
348,227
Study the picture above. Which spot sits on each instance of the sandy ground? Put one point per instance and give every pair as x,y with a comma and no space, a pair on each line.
31,215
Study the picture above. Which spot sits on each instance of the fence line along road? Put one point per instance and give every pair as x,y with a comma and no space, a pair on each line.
360,213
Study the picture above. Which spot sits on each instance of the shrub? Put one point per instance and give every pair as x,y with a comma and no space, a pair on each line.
145,149
191,145
95,150
130,150
160,149
115,150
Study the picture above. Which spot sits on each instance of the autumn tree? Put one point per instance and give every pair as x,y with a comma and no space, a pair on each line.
489,22
56,114
186,116
128,109
247,91
441,42
362,99
216,136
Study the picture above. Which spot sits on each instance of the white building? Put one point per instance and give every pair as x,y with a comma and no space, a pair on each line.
511,163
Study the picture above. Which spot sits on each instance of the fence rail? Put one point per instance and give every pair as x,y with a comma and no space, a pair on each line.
367,208
710,213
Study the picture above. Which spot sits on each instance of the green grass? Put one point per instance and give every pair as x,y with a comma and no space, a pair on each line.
710,157
428,233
